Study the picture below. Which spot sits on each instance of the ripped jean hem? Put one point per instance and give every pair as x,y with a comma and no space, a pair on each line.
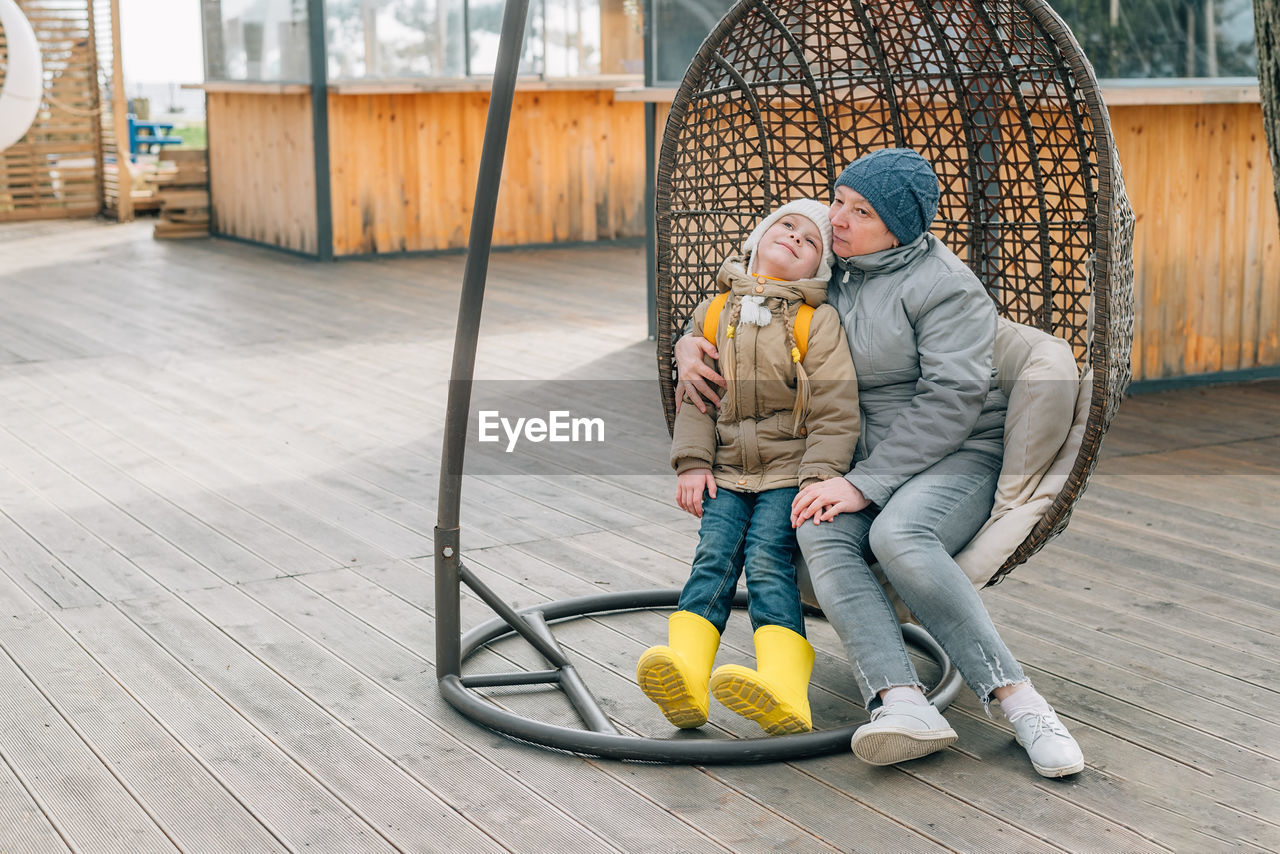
995,671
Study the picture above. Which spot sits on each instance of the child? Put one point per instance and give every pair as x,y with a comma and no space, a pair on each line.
789,417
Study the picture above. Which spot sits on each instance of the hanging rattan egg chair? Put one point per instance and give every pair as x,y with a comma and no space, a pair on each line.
781,96
996,95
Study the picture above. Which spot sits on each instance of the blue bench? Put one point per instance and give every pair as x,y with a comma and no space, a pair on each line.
145,134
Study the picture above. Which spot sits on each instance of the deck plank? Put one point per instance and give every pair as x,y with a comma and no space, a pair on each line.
26,826
280,790
138,748
97,566
681,792
200,521
1007,816
308,652
93,806
253,484
591,792
388,798
1183,660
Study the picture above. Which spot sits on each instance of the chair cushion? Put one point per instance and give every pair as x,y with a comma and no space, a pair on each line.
1038,373
1048,408
1044,428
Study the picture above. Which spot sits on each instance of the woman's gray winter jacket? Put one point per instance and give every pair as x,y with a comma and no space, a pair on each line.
921,329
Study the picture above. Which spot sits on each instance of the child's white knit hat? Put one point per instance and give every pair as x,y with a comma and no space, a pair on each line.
810,208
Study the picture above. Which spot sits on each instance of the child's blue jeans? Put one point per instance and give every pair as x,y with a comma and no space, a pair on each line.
751,528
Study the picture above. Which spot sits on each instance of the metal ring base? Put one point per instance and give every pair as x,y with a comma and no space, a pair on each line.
687,747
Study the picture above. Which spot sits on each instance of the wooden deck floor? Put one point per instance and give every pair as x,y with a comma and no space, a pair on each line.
217,484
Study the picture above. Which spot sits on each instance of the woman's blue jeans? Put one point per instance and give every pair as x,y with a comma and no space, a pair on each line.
931,517
751,528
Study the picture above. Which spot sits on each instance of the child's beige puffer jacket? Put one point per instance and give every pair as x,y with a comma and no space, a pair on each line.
752,441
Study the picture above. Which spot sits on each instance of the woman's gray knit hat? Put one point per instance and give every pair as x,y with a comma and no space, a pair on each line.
900,185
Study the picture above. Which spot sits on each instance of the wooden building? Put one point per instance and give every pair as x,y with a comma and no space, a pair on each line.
1207,242
381,153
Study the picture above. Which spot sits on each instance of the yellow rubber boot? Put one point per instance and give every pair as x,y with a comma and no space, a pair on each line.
675,676
775,694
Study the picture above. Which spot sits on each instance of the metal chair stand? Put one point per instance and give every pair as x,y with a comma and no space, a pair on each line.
600,737
1052,239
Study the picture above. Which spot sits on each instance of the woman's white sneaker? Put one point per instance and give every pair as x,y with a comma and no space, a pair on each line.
901,731
1053,752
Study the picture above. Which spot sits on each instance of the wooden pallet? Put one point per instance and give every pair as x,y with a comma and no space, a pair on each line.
182,188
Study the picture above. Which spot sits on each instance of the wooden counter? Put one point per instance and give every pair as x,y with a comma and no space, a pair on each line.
404,162
404,169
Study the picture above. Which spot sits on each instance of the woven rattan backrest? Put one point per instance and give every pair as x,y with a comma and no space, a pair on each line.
996,94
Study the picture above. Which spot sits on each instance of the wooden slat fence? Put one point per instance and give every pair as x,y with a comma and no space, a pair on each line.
113,111
55,170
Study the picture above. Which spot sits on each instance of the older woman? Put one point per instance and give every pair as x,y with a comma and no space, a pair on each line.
921,328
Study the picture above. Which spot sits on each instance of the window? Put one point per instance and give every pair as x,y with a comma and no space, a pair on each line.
1165,38
1122,38
256,40
458,38
485,20
679,27
395,38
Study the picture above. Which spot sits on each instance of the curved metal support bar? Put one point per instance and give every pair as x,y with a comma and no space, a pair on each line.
685,746
824,122
758,120
448,569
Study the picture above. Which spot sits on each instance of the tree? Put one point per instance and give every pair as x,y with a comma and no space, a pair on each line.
1266,24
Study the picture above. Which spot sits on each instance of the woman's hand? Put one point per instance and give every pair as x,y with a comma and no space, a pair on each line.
689,488
694,376
825,500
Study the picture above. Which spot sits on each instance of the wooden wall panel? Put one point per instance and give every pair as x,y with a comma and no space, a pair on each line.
55,170
1207,243
262,168
404,169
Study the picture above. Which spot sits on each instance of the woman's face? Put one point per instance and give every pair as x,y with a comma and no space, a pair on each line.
856,228
790,249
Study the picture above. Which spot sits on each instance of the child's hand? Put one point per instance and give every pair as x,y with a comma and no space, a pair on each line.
689,488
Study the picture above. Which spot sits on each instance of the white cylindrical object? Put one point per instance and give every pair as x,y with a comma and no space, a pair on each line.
23,80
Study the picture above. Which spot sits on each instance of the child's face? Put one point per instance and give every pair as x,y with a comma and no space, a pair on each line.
790,249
